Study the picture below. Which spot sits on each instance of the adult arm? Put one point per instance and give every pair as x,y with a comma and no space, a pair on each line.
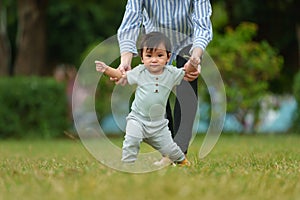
202,36
125,65
128,33
202,26
129,29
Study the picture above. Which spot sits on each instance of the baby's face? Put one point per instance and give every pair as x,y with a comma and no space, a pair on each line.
156,59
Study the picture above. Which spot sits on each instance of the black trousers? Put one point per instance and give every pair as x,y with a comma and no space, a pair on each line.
186,104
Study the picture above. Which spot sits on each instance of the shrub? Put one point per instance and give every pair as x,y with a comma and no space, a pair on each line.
246,66
296,90
32,106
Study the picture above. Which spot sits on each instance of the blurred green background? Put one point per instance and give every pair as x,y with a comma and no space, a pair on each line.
43,43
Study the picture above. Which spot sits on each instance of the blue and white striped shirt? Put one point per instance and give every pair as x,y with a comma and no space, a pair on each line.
183,21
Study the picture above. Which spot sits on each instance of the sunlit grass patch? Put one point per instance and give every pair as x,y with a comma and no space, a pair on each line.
239,167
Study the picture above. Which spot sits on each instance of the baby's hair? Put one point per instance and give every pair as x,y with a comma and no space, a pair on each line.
152,40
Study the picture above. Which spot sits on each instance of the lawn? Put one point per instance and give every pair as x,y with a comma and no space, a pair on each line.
239,167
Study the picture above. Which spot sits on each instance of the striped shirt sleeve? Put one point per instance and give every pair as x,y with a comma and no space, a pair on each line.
202,23
130,26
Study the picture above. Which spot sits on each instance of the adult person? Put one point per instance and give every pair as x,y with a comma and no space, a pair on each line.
187,24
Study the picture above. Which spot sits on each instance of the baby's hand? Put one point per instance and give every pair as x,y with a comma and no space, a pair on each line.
100,66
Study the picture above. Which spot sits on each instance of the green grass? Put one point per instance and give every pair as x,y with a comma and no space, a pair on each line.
239,167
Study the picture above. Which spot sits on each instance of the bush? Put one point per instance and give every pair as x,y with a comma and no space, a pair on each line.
296,90
32,106
246,67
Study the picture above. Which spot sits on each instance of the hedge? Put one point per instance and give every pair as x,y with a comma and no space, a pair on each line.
32,107
296,90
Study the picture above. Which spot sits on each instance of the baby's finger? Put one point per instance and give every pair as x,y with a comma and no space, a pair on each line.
113,79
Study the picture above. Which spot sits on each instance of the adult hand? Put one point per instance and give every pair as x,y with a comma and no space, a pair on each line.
194,64
122,81
124,66
191,74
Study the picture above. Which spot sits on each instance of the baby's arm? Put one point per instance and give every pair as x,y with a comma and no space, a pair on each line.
109,71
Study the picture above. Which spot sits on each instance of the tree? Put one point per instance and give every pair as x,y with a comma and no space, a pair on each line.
246,67
277,21
44,34
78,24
5,52
31,38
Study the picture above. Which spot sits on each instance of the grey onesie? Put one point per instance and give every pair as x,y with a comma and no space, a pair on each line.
146,121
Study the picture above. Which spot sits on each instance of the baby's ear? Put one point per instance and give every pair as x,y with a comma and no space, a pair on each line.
169,57
142,60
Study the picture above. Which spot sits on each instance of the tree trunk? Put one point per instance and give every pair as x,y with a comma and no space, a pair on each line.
298,38
31,38
5,52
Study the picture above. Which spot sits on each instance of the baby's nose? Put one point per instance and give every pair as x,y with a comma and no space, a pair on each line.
154,58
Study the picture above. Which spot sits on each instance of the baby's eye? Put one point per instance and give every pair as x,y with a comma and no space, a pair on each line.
160,55
148,55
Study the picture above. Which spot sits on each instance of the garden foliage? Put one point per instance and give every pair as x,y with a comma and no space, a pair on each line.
296,90
32,106
246,67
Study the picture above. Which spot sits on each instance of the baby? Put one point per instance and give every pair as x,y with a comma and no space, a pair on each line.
154,79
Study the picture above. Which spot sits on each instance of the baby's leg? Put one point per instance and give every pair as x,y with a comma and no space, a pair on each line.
164,143
131,147
133,139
